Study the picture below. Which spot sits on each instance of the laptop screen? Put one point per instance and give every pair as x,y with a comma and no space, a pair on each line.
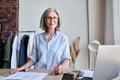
107,62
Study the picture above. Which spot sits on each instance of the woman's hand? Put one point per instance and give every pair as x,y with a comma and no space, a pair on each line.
23,68
60,69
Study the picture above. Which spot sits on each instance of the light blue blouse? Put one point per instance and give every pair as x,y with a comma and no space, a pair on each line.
47,54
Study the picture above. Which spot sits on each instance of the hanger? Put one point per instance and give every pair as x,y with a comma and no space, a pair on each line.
10,33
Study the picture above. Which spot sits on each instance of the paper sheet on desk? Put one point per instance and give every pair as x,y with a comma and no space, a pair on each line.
27,76
88,73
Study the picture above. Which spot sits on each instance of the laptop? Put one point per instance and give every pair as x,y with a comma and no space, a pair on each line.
107,62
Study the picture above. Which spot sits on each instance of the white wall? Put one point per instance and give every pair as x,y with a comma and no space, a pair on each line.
74,21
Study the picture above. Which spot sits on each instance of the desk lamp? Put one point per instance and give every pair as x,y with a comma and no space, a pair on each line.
93,47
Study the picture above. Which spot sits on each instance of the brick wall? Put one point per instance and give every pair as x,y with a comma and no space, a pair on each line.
9,11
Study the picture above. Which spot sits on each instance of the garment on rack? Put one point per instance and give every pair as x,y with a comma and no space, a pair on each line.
23,50
30,44
1,53
14,56
8,52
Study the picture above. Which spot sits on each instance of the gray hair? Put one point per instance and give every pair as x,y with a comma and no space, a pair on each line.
42,21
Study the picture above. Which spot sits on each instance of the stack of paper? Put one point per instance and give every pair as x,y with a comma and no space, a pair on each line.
27,76
87,73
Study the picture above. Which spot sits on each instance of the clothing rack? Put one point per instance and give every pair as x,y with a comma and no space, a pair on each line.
26,31
21,33
5,32
16,31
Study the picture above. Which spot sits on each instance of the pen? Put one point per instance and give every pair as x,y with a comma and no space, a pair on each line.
55,70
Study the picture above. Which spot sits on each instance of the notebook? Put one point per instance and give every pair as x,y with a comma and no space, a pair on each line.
107,62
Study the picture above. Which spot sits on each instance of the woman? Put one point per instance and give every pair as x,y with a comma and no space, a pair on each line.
50,48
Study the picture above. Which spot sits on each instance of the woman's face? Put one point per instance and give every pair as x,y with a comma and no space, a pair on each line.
51,20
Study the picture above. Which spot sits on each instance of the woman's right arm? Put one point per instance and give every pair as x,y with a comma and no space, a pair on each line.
25,67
